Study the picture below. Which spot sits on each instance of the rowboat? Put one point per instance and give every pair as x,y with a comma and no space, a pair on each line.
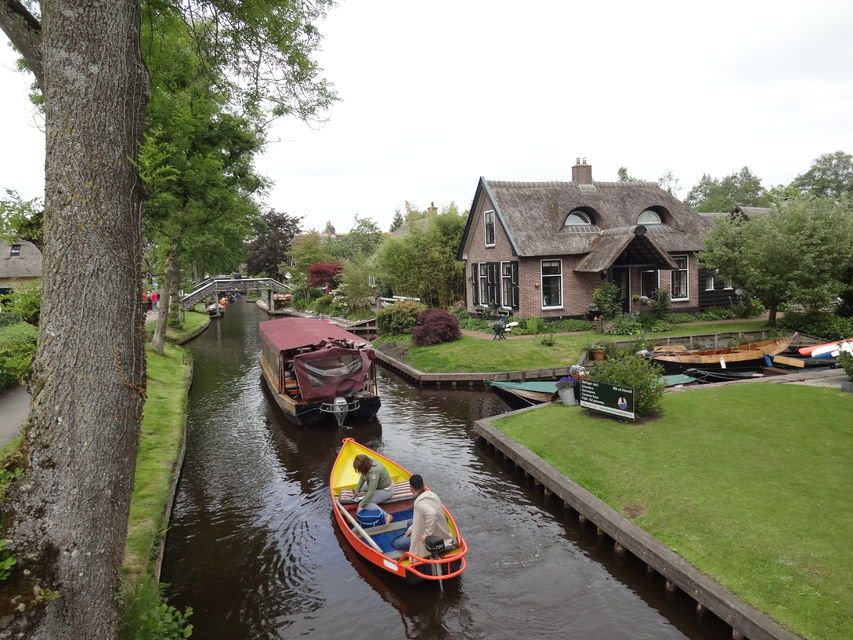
746,355
523,394
826,346
828,350
315,370
374,544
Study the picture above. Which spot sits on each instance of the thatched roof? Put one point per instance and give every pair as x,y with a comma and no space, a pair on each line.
25,265
534,213
640,249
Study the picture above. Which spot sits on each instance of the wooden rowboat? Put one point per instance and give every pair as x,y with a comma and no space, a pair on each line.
523,394
374,544
745,355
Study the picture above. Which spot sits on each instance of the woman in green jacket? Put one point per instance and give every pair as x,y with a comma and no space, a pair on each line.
378,481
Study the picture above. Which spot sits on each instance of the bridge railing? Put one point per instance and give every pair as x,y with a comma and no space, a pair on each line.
242,285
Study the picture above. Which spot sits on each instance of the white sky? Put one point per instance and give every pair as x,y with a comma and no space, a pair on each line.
435,94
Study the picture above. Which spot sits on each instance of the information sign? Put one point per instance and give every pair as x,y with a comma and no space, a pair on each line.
608,398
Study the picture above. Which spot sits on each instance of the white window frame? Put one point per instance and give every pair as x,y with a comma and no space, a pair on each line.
686,269
486,228
503,277
15,251
642,271
542,284
710,278
483,280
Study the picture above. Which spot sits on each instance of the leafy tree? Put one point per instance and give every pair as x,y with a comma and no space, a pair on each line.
68,527
830,176
397,221
799,253
274,232
669,183
307,249
362,240
21,219
24,301
324,274
355,283
623,175
742,188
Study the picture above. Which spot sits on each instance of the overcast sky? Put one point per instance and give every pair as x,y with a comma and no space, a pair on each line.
435,94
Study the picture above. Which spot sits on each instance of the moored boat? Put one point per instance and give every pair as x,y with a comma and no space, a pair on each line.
523,394
316,370
749,355
375,544
826,347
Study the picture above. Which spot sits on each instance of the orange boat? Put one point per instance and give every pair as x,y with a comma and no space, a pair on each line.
742,356
374,544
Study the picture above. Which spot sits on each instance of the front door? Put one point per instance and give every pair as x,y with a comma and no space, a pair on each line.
622,278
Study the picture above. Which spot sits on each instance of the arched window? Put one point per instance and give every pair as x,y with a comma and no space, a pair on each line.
577,218
649,216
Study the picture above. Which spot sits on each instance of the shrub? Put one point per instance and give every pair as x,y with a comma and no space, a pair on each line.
846,361
17,350
680,317
145,615
716,313
625,369
533,326
435,326
608,300
322,304
623,326
659,304
24,301
748,308
548,340
818,324
400,317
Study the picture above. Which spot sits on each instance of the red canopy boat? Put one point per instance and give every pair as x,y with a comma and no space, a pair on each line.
316,369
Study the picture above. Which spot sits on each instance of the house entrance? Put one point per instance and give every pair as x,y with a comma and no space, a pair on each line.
622,277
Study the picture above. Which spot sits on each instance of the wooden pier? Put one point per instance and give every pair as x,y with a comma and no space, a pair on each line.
744,620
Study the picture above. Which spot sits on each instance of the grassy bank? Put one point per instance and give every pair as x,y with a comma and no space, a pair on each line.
160,442
527,352
750,483
193,322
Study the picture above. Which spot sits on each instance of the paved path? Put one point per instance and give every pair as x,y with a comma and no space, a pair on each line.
14,409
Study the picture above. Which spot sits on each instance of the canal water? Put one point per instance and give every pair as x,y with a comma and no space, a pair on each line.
253,549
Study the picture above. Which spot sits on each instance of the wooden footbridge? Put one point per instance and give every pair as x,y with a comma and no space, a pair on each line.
216,286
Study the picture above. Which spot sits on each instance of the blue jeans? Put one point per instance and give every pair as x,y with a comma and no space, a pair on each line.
403,543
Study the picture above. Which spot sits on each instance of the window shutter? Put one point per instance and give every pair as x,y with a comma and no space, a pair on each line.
494,294
514,285
475,284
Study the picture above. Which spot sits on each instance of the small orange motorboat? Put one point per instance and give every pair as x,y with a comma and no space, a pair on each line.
374,544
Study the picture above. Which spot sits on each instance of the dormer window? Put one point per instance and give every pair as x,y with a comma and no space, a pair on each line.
15,251
649,216
578,218
489,223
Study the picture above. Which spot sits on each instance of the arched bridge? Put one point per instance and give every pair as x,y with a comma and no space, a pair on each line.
215,285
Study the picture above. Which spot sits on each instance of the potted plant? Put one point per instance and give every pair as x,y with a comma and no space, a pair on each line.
596,351
566,390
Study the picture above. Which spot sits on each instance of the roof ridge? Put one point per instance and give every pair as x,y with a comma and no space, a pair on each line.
565,183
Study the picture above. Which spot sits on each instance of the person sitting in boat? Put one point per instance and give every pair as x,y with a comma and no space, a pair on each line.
428,519
378,481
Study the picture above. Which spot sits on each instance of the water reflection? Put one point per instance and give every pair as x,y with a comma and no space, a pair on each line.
253,548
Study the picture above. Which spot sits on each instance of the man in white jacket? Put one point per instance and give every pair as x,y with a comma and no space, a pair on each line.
428,519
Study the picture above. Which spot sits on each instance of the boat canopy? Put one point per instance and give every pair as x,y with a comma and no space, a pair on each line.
332,371
285,334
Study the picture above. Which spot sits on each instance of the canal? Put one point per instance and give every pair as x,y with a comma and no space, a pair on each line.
252,547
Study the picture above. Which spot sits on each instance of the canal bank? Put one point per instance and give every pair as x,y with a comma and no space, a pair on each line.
253,550
731,479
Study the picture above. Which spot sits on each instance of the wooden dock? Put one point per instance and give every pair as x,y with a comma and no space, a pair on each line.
744,620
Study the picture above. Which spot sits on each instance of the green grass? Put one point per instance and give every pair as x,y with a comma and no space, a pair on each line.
160,441
750,483
527,352
193,321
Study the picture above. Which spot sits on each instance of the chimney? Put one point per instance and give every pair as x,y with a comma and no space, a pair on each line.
582,172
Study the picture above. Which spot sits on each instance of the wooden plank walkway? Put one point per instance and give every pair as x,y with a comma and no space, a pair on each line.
745,621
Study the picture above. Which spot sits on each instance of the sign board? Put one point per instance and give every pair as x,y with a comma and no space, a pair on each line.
608,398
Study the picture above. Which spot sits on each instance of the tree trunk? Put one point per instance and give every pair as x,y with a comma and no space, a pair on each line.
771,318
68,514
171,268
175,317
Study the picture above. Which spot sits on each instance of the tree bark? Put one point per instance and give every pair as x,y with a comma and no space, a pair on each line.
68,514
771,317
171,269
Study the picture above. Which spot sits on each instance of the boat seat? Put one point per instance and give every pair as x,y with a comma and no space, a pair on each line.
402,491
385,528
395,554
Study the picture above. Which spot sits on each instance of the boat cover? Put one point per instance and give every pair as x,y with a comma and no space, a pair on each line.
330,371
284,334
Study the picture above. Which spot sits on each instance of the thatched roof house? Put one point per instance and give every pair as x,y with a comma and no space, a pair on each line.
540,248
20,261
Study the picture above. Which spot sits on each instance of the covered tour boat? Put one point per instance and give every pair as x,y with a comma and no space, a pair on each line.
375,544
316,370
742,356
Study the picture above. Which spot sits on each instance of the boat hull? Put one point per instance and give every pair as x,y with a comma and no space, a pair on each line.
309,413
517,396
747,356
406,566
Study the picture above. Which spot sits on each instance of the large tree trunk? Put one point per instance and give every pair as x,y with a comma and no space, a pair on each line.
771,317
69,512
171,269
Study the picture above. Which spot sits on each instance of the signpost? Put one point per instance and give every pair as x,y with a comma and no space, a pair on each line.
608,398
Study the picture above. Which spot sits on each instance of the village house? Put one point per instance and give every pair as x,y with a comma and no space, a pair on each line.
20,262
541,248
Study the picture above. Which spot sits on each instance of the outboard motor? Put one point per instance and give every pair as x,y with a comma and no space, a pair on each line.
436,545
340,409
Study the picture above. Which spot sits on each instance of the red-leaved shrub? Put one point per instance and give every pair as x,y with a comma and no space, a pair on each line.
434,327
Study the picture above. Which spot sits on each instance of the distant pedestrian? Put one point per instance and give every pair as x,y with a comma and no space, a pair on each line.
155,300
146,300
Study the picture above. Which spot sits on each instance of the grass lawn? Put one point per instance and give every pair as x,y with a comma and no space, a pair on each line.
160,441
193,321
750,483
527,352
